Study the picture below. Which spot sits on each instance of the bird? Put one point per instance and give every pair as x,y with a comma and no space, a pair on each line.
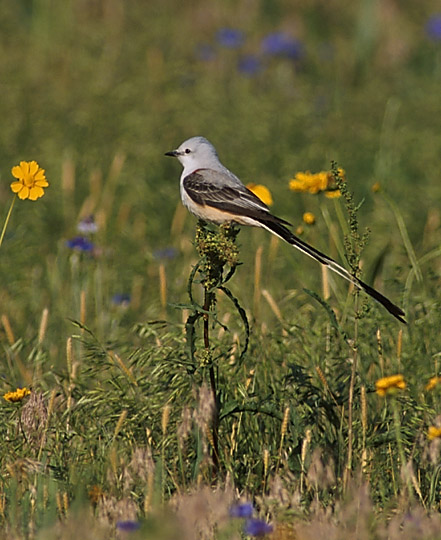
214,194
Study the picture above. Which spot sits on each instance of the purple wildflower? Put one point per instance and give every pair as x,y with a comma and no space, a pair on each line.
121,299
433,27
230,38
241,510
87,225
165,253
249,65
281,44
257,527
80,243
128,526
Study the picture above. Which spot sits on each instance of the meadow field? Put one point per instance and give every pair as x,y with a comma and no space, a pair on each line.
292,407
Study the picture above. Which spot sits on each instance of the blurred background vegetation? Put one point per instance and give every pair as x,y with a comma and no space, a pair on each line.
96,91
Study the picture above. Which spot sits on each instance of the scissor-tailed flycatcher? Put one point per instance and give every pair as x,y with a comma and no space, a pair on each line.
213,193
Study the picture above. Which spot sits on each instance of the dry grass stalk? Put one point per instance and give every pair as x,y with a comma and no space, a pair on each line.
305,444
43,325
8,329
163,288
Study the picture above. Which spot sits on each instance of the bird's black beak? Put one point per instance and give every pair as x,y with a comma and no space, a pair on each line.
173,153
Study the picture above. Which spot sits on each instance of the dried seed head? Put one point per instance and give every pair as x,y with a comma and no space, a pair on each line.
203,415
399,344
285,423
120,423
265,461
43,325
165,418
184,427
141,464
322,376
364,419
34,416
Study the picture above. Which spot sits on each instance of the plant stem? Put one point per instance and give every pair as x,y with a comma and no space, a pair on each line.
7,220
216,250
405,236
351,399
208,301
402,455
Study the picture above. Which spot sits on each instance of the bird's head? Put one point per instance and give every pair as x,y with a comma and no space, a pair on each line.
195,153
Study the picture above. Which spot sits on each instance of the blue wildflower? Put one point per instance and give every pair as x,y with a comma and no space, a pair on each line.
80,243
230,38
165,253
249,65
128,526
121,299
281,44
241,510
87,225
433,27
257,527
205,52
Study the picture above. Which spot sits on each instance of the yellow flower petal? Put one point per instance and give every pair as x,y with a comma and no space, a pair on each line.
35,193
262,192
42,183
18,395
17,172
23,193
33,168
310,183
434,381
295,185
433,433
390,384
16,186
334,194
25,167
309,218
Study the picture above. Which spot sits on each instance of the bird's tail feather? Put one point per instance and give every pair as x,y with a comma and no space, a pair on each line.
282,232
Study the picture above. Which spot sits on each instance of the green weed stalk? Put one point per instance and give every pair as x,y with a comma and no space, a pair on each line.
217,250
354,244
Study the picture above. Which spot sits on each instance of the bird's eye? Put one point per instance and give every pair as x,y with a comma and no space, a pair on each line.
187,150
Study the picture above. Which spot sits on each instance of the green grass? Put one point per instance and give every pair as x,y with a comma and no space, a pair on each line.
119,422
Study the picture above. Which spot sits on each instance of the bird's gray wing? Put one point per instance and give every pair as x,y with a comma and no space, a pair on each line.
208,187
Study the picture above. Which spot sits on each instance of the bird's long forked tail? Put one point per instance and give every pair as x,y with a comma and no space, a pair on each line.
285,234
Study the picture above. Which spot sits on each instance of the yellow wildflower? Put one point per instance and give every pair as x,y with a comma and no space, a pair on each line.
333,194
309,218
314,183
389,385
262,192
433,433
376,187
299,230
307,182
30,180
16,396
434,381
